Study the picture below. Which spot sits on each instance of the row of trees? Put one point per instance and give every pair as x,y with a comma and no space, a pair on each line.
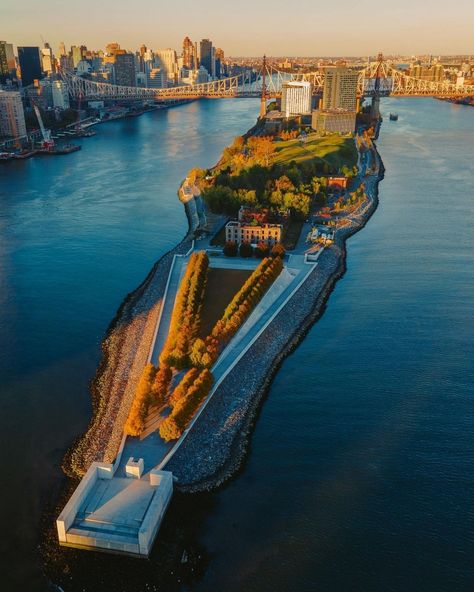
205,352
185,320
185,401
152,388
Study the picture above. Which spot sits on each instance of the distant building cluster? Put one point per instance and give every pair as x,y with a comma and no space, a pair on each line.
33,76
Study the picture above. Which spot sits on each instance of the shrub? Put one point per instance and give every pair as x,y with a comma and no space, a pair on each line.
245,249
141,402
230,249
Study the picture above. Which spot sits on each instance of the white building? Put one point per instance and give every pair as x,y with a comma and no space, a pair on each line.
47,62
12,116
296,98
166,60
60,95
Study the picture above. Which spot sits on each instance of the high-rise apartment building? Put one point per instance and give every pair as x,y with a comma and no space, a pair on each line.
47,60
76,54
156,78
125,69
166,60
30,64
189,54
296,98
206,55
340,88
12,117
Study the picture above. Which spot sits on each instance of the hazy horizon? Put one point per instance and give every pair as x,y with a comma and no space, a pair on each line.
339,29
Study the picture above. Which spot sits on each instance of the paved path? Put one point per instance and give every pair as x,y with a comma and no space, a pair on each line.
170,297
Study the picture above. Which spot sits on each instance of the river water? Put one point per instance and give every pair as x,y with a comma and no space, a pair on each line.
361,468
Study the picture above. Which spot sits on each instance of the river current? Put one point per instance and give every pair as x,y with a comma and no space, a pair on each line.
361,467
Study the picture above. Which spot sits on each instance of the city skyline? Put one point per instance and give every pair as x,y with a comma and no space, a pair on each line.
252,30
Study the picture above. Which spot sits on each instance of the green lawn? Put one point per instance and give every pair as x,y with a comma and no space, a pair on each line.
333,149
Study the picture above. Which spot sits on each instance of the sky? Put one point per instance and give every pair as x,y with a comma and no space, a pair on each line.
248,27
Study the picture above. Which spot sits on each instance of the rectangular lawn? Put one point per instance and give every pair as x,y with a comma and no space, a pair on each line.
222,285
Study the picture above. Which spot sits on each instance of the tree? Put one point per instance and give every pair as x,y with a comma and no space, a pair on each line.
160,385
139,409
169,429
221,199
230,249
262,250
278,250
245,249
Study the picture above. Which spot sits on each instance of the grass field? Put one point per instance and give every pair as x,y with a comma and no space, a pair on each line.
334,150
222,285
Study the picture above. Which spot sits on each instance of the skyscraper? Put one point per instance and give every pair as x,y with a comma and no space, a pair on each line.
12,117
296,98
30,64
7,61
166,60
125,69
189,55
206,57
62,49
76,54
340,88
47,60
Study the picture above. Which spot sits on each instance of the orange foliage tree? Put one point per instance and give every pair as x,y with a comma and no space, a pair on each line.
186,312
194,388
141,402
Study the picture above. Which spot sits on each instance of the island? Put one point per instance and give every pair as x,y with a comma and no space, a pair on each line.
191,353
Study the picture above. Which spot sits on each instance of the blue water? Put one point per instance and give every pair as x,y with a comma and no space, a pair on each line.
77,234
360,472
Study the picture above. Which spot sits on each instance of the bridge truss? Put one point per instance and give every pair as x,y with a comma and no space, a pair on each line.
391,82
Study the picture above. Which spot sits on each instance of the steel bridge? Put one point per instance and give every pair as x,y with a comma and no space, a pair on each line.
379,77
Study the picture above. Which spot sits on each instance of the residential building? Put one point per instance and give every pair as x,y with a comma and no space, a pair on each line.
206,56
12,117
296,98
166,60
156,78
125,69
340,88
60,94
30,64
334,121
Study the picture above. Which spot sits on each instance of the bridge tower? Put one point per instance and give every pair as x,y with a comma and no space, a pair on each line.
263,99
375,106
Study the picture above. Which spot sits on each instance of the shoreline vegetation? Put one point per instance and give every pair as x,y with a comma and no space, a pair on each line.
252,172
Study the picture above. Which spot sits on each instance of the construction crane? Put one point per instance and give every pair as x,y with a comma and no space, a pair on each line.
48,142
